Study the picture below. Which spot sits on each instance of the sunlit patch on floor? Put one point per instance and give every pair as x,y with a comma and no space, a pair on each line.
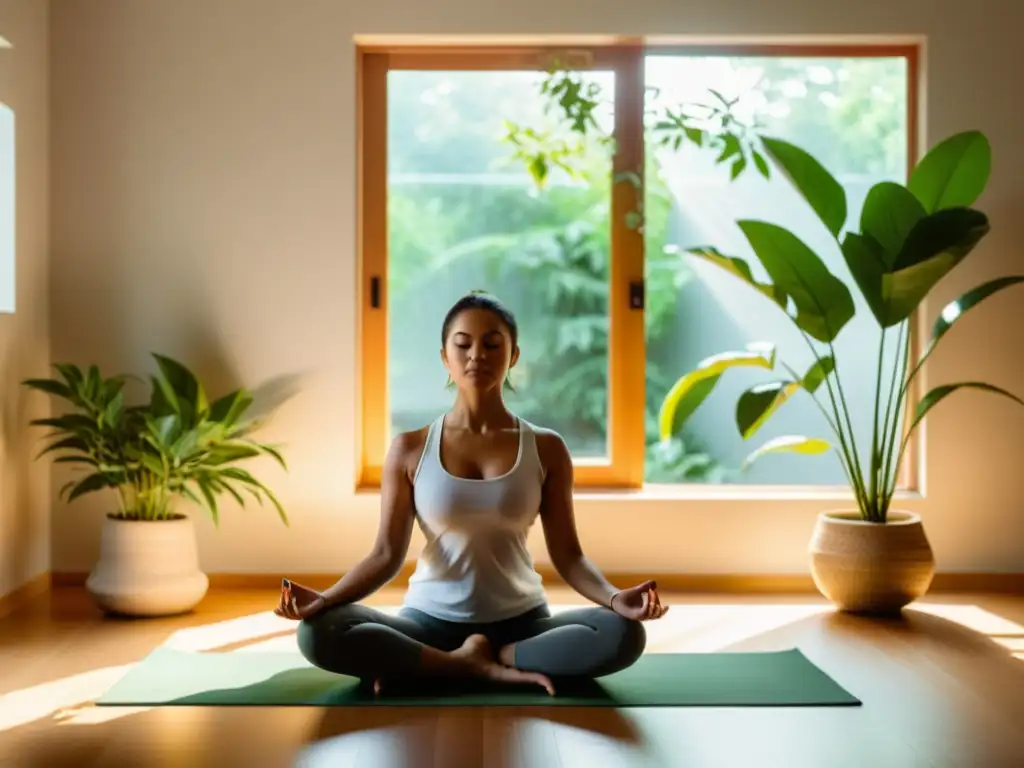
691,628
972,617
28,704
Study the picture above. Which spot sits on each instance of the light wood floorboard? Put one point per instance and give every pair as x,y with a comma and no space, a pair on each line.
941,686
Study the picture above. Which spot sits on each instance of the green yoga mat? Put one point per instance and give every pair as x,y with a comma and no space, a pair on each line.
779,678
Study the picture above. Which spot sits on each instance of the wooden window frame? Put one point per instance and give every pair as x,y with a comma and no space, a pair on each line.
623,469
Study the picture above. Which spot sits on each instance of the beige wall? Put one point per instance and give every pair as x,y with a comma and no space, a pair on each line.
204,205
24,336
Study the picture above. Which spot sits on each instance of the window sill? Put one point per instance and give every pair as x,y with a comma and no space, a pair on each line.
697,492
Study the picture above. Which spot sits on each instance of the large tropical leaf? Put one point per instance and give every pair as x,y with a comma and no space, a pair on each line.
817,186
692,389
894,286
823,303
866,261
953,173
889,215
741,269
941,392
937,244
788,444
756,405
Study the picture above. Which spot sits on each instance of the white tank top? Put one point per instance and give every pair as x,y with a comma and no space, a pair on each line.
475,566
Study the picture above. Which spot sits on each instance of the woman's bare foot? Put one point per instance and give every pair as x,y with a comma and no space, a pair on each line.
476,652
474,658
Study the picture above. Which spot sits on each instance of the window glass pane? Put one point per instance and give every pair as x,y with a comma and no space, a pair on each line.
851,115
465,214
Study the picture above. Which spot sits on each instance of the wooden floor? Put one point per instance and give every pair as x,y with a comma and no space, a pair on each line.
942,686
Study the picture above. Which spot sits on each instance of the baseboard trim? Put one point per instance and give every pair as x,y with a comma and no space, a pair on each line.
713,583
24,594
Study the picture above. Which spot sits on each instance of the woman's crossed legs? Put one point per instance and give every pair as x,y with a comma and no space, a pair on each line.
363,642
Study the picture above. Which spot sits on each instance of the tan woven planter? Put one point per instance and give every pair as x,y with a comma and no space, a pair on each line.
867,567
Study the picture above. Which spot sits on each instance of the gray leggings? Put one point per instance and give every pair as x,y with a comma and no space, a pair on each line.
362,642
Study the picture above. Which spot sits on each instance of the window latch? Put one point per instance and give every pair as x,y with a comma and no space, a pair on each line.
375,292
636,294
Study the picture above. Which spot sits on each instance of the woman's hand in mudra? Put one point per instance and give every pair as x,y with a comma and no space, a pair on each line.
640,603
298,602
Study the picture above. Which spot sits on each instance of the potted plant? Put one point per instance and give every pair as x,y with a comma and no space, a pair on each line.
177,445
871,557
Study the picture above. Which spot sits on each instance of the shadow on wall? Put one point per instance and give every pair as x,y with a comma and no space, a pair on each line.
203,350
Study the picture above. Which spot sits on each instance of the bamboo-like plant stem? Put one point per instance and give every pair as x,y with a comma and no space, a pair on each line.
876,453
856,480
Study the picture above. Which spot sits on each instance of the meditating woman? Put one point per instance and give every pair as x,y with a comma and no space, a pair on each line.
475,480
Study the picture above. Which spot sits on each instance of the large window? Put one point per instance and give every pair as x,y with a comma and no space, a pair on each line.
466,183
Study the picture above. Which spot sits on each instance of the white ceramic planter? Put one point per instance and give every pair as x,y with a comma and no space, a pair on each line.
867,567
147,568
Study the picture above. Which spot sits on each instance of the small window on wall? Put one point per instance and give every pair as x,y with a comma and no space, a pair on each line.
7,233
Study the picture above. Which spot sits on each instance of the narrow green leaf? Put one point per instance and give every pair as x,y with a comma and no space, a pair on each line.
211,500
226,454
276,454
152,463
183,382
695,135
953,311
889,214
92,483
230,489
277,504
788,444
941,392
817,373
229,408
75,460
730,146
189,494
823,303
115,408
66,444
953,173
73,375
50,386
166,429
692,389
163,400
817,186
761,164
741,269
69,422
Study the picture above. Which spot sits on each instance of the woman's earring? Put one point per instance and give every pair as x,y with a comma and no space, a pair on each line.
508,381
449,384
